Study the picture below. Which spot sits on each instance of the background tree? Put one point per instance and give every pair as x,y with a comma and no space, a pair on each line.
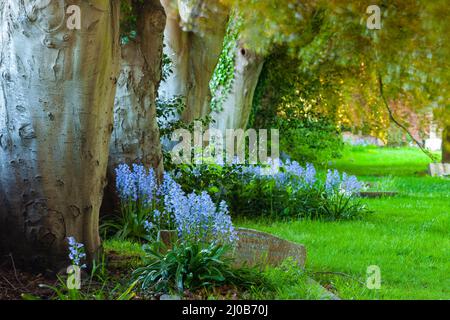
56,100
234,80
193,42
136,136
331,40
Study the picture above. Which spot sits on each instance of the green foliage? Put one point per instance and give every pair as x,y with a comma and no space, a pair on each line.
129,10
168,113
292,100
339,206
310,140
186,266
222,79
129,224
328,48
166,66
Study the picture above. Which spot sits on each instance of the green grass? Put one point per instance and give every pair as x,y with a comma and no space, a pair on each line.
373,161
407,236
123,247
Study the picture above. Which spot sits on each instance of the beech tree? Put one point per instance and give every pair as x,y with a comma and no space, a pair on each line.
136,137
136,134
193,42
234,110
56,102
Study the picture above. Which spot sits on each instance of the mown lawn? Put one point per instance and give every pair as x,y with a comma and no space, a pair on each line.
407,236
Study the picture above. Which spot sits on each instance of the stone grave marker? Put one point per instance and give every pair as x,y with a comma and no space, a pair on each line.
260,248
256,248
439,169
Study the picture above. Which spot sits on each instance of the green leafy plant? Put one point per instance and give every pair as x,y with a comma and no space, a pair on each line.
129,224
223,77
185,266
340,206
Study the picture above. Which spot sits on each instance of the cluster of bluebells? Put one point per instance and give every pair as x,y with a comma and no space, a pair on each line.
198,219
297,176
284,173
291,173
135,184
76,252
195,217
345,184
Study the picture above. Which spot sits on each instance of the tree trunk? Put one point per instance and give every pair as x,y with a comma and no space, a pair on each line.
56,102
237,107
193,38
136,138
446,145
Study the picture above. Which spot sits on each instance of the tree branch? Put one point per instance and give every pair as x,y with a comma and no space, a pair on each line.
391,116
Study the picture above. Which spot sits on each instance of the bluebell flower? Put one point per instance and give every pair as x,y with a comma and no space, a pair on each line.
332,181
196,172
76,252
148,226
195,217
310,175
125,183
350,185
293,168
199,219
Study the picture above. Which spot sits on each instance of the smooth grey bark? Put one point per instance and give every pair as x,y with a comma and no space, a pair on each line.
56,102
136,134
193,41
237,106
136,138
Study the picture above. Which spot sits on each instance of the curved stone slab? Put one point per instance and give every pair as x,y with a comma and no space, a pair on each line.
439,169
256,248
260,248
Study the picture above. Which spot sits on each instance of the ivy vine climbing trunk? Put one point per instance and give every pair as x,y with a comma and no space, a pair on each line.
193,41
236,108
446,145
56,102
136,137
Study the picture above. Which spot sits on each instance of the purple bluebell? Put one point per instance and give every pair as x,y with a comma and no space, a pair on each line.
310,175
125,183
149,226
350,185
76,252
332,181
201,220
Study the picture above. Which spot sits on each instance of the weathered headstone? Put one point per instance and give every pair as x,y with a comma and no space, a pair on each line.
256,248
260,248
434,142
439,169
